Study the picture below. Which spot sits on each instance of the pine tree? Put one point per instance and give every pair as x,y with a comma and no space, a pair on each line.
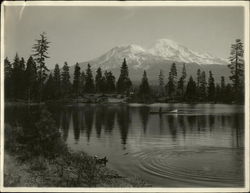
237,69
89,81
184,73
181,82
8,78
191,90
211,87
40,49
174,73
180,87
124,83
77,80
17,77
99,80
198,82
144,89
22,80
228,93
57,81
82,83
198,77
172,81
170,87
110,82
223,89
31,79
203,87
161,83
217,93
49,89
66,85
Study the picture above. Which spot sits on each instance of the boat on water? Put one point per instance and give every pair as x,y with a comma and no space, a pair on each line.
174,111
164,112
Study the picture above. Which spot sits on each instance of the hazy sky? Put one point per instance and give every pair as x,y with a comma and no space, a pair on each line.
78,34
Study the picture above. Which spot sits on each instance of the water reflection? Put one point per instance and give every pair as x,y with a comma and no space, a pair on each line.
123,119
65,121
197,135
144,115
76,124
109,120
89,119
103,118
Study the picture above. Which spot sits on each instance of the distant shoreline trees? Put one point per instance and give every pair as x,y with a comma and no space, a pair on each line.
30,81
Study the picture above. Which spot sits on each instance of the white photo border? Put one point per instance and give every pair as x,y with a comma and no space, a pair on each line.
244,4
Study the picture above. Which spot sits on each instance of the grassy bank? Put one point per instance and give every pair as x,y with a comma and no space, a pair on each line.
36,156
73,170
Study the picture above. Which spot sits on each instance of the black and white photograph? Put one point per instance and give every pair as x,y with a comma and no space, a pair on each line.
118,95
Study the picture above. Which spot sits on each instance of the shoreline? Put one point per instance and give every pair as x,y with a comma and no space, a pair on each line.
41,172
25,103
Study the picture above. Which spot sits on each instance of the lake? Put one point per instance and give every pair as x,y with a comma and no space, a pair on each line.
189,145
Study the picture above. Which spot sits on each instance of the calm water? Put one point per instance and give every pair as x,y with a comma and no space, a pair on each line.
200,145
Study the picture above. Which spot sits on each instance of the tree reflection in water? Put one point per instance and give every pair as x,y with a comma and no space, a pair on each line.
144,114
123,119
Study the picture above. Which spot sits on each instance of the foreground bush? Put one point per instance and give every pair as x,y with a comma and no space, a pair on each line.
42,138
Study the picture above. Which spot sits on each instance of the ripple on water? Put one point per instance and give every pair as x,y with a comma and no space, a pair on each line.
202,166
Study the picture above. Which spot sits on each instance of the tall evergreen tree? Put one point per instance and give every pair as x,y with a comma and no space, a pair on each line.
99,81
82,82
49,89
180,87
211,87
172,81
203,87
89,81
65,84
217,93
77,80
31,79
161,83
237,69
170,86
144,89
22,82
191,90
229,97
40,49
17,77
57,81
174,73
110,82
8,78
198,83
198,78
223,89
124,83
184,72
181,82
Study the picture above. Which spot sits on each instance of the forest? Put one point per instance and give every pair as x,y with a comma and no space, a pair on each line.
32,81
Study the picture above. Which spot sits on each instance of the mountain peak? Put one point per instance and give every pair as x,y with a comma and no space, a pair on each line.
131,47
167,42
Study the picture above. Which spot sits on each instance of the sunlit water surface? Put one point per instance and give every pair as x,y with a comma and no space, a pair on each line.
187,146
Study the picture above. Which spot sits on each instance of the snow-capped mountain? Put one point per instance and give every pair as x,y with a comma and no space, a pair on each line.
159,56
171,50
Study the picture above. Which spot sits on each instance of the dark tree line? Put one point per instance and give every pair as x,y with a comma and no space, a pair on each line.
203,87
31,81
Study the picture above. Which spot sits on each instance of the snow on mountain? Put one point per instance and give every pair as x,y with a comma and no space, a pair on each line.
162,50
134,54
160,55
170,50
